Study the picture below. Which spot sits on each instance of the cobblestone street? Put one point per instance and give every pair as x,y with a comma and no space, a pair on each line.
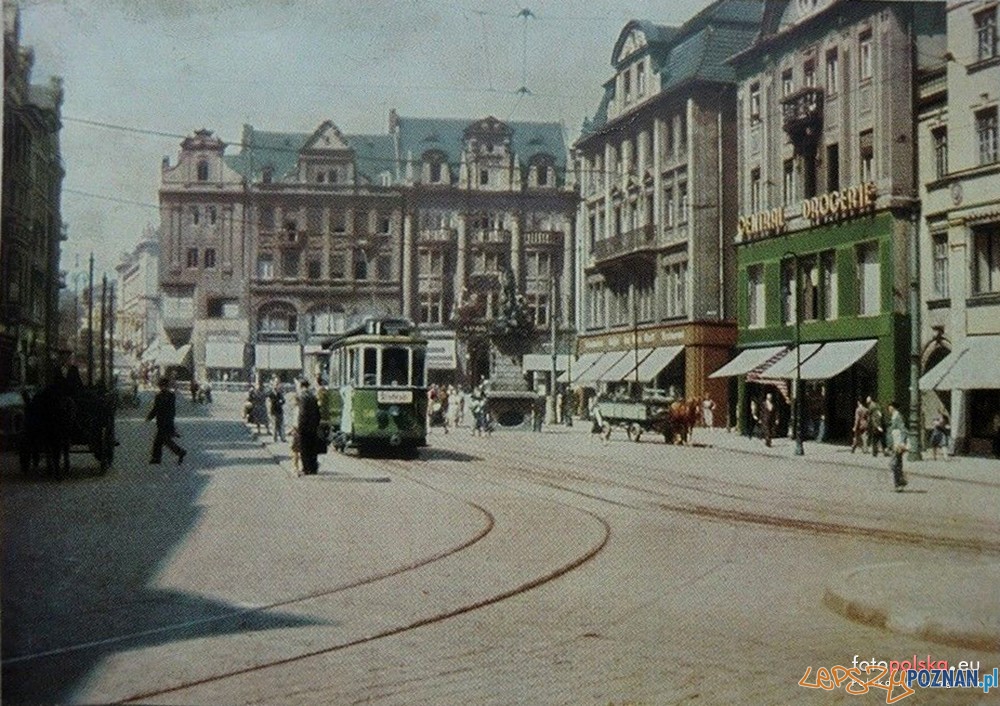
545,568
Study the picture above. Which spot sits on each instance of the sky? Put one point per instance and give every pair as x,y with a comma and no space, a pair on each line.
148,73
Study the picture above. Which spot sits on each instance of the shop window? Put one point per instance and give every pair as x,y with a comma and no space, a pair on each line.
869,280
755,296
789,293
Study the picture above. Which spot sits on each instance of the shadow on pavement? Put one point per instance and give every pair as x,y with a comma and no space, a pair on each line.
80,560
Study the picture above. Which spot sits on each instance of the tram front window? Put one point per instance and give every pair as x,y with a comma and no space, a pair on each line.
419,356
395,366
369,368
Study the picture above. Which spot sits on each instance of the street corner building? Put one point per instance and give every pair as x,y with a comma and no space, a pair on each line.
828,96
658,207
32,232
268,252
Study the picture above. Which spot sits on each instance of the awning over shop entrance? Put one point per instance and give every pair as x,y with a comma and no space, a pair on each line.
278,356
169,357
601,366
657,361
747,360
971,367
580,366
623,369
441,353
224,354
834,358
542,362
784,367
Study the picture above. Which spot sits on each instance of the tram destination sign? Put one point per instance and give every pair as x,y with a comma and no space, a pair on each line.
395,396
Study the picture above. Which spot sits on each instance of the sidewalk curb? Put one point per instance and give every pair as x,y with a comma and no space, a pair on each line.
944,604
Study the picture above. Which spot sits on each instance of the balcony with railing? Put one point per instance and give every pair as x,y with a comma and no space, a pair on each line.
493,236
802,113
638,241
436,236
543,238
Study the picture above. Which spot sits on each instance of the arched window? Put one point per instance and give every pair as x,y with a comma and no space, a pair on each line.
203,170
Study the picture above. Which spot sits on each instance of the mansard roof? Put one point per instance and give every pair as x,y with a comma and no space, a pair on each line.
415,136
373,154
697,50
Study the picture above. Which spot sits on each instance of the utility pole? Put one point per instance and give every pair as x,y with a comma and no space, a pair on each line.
90,324
552,342
914,267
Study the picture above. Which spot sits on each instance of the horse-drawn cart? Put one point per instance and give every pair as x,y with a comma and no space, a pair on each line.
59,420
658,415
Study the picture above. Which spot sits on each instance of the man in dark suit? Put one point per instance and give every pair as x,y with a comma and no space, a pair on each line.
164,410
308,429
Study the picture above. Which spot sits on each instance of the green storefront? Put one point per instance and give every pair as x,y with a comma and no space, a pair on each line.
850,285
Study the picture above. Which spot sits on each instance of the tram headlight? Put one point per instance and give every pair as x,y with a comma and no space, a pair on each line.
394,411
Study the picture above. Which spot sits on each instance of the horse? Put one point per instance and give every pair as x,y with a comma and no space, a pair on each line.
677,421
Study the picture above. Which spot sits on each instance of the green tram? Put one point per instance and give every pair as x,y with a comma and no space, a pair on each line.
377,395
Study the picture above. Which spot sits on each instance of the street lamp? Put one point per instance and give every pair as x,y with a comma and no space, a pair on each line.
797,388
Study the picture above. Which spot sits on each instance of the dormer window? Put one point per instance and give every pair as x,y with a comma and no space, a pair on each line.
434,162
627,85
640,79
203,170
754,103
540,167
484,177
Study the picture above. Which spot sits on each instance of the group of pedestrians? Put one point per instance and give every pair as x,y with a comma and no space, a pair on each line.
446,405
264,408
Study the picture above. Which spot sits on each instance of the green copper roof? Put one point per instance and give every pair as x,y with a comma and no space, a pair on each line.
418,135
695,51
373,154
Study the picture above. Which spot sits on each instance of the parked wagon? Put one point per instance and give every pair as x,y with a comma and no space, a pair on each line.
59,421
674,419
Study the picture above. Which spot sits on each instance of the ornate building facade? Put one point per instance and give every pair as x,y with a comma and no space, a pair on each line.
960,228
657,171
827,110
268,251
32,229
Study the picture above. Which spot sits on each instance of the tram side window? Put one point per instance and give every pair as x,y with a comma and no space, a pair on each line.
352,372
370,366
395,366
419,356
334,374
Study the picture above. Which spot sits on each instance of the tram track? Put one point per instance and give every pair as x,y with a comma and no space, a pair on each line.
399,468
558,474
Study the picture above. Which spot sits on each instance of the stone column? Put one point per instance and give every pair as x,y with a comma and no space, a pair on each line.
406,268
515,247
463,220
